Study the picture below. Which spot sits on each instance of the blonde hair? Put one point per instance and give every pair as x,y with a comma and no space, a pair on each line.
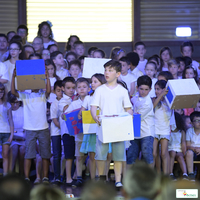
43,192
172,62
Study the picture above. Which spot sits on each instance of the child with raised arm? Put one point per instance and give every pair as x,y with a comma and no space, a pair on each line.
142,104
55,130
82,89
36,126
140,49
68,87
111,98
193,144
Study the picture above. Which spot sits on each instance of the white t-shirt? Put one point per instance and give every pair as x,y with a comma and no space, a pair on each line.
55,113
87,101
66,100
136,73
48,43
162,119
18,120
128,79
192,137
144,106
152,92
4,72
4,123
73,106
34,110
141,65
111,101
62,73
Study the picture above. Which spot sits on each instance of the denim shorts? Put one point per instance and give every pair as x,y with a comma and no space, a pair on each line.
4,138
159,137
118,150
145,145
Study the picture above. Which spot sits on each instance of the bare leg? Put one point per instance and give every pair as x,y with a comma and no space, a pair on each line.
68,167
172,155
27,166
124,168
5,155
12,157
101,167
38,166
118,170
189,161
155,145
92,165
79,164
107,166
45,166
164,155
21,159
181,161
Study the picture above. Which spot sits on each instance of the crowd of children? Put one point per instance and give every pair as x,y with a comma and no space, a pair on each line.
130,84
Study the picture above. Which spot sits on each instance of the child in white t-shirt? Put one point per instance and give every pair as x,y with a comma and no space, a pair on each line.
151,70
140,49
36,126
142,104
128,78
6,128
111,98
55,130
82,89
68,87
59,62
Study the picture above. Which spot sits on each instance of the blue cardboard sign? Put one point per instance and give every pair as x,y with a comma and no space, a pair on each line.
137,124
169,95
74,124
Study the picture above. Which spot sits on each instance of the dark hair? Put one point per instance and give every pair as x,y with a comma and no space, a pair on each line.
195,72
166,74
51,45
11,98
68,79
161,51
179,59
58,83
91,49
138,44
114,64
16,38
125,59
161,83
155,58
187,60
115,52
78,43
3,35
10,32
68,46
40,27
100,77
122,83
35,55
144,80
54,54
187,44
23,50
19,46
50,62
194,114
133,58
13,186
180,123
82,58
22,26
71,53
152,63
101,52
81,80
75,62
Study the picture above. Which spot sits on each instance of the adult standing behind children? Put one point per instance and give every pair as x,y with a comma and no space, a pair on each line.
119,102
36,126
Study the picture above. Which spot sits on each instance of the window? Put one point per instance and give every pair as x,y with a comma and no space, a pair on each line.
92,21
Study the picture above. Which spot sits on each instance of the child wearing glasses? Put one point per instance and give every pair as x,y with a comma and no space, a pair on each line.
193,143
